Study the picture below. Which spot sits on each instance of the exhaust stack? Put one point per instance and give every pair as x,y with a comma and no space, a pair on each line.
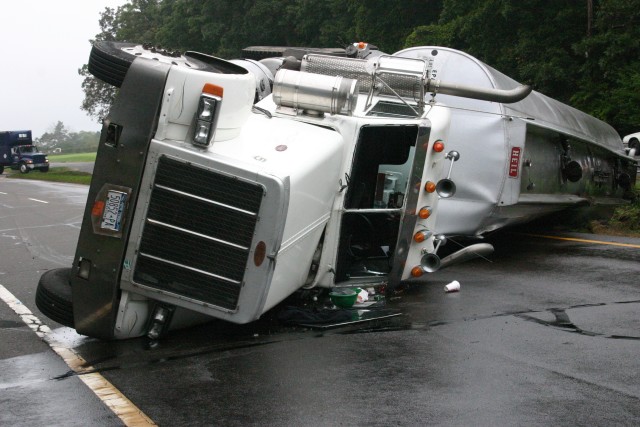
505,96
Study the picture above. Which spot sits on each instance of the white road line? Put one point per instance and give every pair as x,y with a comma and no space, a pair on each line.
2,192
103,389
36,200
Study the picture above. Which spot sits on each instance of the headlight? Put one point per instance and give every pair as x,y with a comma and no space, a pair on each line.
207,115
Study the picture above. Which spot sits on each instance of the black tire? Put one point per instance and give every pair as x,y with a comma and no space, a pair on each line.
633,143
110,61
53,296
23,168
44,169
261,52
1,170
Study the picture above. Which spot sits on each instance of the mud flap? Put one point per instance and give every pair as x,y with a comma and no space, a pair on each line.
124,141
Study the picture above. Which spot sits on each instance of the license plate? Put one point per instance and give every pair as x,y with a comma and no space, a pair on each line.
113,210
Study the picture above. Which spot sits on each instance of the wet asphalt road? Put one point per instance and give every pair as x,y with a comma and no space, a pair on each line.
545,332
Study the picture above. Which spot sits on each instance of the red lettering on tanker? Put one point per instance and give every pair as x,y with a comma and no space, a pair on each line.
514,163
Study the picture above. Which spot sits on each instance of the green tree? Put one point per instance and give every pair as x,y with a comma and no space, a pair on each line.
223,28
609,79
99,95
387,24
531,41
56,136
59,137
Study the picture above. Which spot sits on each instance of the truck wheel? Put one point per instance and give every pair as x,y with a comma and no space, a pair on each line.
1,170
45,169
261,52
633,143
23,168
53,296
109,61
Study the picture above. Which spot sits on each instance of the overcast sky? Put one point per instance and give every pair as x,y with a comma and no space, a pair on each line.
43,43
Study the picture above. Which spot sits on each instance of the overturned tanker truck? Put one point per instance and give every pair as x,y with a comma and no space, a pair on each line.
220,187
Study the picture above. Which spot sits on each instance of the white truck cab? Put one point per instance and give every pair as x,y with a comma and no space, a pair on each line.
207,204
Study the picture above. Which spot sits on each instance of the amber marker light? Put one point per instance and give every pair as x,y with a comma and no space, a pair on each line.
424,213
212,89
430,187
438,146
421,236
417,271
98,208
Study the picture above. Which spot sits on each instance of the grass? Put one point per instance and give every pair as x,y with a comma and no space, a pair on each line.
625,221
73,157
57,174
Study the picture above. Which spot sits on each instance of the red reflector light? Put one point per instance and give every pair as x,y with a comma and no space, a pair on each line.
260,253
98,208
438,146
430,187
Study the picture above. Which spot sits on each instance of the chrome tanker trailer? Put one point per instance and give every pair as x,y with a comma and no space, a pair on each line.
221,188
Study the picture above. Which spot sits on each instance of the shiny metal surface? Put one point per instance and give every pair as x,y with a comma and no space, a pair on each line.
536,109
314,92
506,96
515,153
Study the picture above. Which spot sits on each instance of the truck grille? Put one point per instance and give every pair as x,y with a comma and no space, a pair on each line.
198,232
38,158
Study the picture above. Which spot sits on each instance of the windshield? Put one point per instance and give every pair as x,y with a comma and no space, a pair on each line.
27,149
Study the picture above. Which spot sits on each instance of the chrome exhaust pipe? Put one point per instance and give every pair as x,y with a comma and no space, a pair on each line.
466,254
505,96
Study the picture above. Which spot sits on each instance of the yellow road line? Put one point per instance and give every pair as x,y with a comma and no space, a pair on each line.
106,392
573,239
